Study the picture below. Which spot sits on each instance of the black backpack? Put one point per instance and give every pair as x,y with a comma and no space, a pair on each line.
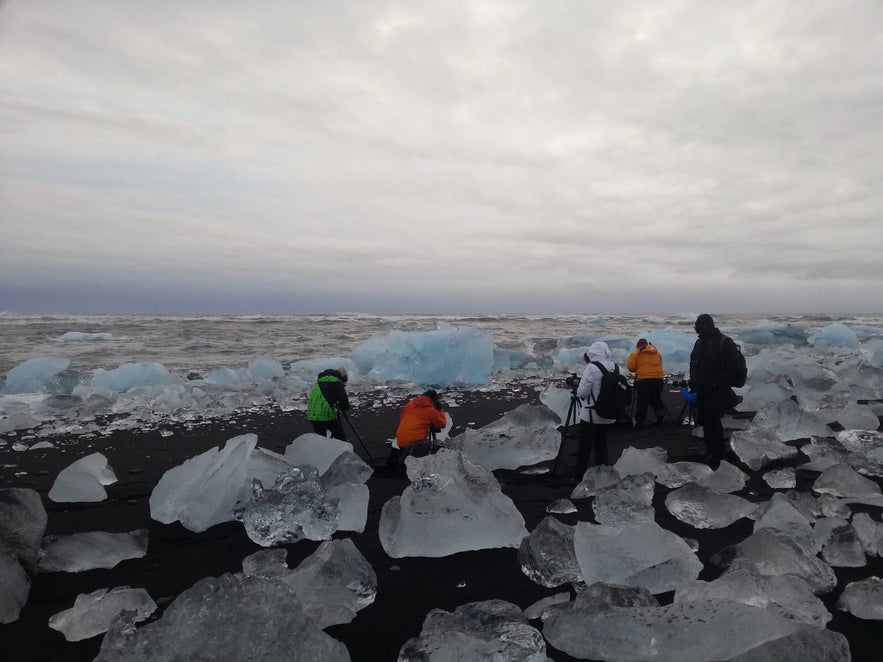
615,395
738,371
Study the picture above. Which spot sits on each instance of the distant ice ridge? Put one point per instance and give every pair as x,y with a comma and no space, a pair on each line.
297,502
43,392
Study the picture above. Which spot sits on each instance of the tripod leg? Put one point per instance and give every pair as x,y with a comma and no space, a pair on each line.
571,418
680,416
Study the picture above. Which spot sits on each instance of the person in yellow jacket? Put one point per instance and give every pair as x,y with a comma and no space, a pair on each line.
646,363
419,418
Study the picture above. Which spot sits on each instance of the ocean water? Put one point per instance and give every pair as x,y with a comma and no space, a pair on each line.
197,343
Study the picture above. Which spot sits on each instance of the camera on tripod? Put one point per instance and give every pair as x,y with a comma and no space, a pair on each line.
572,381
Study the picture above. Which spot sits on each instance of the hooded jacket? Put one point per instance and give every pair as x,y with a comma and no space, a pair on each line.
416,418
590,382
646,363
328,397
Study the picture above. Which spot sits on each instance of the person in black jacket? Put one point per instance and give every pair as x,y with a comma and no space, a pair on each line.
711,365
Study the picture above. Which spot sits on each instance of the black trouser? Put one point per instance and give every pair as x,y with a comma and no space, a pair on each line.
591,436
648,392
711,404
335,427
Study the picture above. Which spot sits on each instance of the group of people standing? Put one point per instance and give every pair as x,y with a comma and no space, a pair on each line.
710,361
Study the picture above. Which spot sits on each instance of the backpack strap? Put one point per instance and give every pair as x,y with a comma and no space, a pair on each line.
604,370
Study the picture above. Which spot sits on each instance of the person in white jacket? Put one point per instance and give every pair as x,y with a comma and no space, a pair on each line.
592,428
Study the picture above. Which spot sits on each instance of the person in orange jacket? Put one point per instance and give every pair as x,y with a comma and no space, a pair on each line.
646,363
421,416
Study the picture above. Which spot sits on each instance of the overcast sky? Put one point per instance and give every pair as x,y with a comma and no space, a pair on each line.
441,156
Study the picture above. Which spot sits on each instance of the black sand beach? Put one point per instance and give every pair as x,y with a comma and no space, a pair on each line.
407,588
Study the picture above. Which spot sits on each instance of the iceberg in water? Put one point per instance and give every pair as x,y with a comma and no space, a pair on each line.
451,506
34,375
449,355
134,375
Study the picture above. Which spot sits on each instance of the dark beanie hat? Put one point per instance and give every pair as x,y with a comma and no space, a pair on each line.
431,394
704,323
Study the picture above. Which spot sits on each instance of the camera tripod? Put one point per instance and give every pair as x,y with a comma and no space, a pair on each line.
571,419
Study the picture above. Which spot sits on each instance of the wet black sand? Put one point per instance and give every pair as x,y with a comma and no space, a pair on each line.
407,588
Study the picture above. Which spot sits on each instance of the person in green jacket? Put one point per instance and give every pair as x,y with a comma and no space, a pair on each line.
328,400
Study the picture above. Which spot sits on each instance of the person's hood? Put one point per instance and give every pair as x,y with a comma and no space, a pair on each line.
650,349
422,401
599,351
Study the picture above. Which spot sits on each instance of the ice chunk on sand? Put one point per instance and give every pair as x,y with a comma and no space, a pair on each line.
640,554
863,598
788,421
93,612
294,508
91,549
314,449
547,555
203,490
772,552
594,479
757,447
727,478
226,617
451,505
703,508
489,630
615,628
787,594
804,644
84,480
638,461
858,417
332,585
524,436
628,500
22,523
781,514
781,479
841,480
